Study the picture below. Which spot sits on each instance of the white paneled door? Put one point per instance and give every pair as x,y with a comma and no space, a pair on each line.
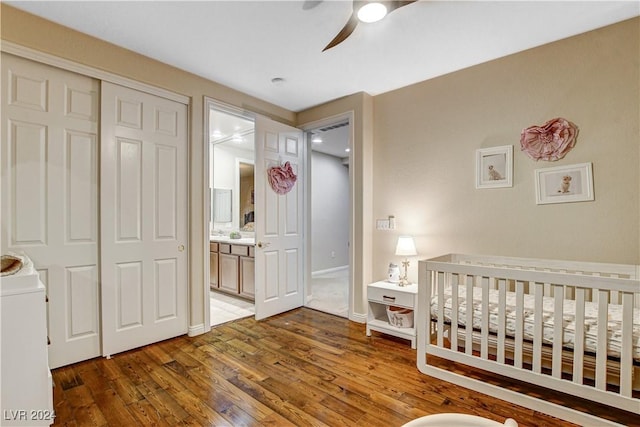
49,197
279,225
143,218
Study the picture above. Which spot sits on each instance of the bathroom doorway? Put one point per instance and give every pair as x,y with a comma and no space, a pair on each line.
329,211
231,231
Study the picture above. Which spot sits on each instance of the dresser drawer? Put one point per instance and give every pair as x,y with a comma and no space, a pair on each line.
241,250
225,248
213,247
390,297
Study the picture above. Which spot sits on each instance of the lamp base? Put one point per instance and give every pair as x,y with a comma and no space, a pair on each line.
404,281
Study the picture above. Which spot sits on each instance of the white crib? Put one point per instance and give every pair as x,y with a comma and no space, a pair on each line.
512,328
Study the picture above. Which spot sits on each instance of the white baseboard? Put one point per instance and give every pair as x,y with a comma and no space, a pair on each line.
358,317
196,330
329,270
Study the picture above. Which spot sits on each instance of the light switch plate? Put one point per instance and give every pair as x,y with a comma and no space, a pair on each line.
382,224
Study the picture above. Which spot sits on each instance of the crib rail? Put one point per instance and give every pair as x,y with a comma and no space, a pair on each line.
509,346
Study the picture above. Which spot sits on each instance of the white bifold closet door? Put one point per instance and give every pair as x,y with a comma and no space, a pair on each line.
67,192
50,195
143,206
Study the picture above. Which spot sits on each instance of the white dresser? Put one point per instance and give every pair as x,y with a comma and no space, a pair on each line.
26,383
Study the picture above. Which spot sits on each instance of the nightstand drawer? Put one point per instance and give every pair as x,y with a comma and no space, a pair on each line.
390,297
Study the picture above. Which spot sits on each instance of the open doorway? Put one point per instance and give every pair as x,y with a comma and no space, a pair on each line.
231,231
271,268
330,218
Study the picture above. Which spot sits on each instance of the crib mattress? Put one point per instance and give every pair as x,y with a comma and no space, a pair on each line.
590,319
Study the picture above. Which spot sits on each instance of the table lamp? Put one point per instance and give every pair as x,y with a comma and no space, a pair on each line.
406,247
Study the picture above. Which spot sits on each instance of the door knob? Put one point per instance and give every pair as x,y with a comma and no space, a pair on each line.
263,245
180,248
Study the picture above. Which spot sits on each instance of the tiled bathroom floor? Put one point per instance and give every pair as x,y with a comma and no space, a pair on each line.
225,308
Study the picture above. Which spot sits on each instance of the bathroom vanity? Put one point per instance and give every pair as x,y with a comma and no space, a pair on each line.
232,266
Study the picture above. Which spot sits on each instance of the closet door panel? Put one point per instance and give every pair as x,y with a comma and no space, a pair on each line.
27,158
143,234
80,179
49,120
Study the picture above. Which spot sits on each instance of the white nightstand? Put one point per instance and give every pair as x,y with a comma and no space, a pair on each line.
383,294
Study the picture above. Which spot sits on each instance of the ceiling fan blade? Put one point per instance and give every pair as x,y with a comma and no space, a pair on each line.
393,5
345,32
351,24
310,4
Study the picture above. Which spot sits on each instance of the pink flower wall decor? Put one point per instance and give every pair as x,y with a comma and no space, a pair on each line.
282,178
551,141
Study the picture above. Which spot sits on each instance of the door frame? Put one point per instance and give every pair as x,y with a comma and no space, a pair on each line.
211,103
349,116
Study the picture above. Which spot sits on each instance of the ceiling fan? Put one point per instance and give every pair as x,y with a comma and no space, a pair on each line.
365,11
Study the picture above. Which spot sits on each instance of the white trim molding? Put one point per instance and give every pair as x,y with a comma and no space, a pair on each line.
197,329
358,317
329,270
66,64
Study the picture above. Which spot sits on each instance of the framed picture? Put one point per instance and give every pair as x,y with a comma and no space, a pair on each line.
494,167
562,184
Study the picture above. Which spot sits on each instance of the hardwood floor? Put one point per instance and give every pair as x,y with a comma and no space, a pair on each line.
300,368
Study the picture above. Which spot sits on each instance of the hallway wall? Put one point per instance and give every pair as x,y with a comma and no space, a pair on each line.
329,212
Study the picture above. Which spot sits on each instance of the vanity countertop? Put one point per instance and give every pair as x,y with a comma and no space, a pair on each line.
247,241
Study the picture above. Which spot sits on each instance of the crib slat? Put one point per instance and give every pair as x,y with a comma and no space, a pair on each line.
484,347
517,362
469,321
578,345
455,309
440,296
502,313
615,297
537,326
601,349
558,330
626,349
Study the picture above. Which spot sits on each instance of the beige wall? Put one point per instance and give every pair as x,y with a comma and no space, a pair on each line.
30,31
426,136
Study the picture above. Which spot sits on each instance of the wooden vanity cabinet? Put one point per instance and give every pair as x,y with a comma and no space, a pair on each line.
235,269
213,265
248,275
228,273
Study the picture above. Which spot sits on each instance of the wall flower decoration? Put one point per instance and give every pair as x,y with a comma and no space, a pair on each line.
551,141
281,178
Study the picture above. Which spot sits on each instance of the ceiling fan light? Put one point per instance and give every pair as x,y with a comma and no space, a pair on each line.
372,12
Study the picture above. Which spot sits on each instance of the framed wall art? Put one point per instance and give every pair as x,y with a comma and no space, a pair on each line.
494,167
563,184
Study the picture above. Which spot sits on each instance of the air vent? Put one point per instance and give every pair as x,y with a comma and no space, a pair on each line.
339,125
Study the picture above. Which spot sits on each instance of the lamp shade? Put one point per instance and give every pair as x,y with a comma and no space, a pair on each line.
406,246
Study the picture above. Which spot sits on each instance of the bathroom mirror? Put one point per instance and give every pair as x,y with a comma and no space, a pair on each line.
222,202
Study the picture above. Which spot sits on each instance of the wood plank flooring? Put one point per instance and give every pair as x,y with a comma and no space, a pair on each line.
301,368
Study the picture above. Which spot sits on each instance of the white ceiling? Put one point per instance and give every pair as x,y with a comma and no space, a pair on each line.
244,44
